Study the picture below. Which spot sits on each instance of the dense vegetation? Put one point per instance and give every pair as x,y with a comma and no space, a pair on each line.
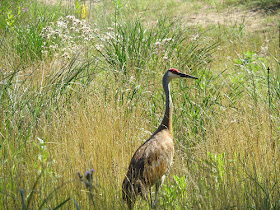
80,89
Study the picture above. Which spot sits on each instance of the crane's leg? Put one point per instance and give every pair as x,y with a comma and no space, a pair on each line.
151,198
158,185
131,202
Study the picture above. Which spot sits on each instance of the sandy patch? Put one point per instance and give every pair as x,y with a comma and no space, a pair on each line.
251,20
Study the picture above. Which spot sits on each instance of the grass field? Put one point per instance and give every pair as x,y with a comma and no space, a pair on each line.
80,89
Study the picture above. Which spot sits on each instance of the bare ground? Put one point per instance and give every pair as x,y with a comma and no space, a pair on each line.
251,20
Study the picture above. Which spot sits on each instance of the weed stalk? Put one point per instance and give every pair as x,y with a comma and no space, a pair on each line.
269,107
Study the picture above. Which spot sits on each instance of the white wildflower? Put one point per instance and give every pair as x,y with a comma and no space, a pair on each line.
167,40
157,44
67,36
99,47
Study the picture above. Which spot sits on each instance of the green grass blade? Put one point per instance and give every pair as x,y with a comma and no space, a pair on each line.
60,205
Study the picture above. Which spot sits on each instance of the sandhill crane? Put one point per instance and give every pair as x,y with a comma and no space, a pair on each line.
152,160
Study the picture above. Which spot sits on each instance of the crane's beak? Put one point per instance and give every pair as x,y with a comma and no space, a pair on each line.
186,75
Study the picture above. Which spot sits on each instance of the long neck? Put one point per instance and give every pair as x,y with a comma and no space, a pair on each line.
167,119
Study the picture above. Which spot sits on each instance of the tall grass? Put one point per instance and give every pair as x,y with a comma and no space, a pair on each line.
63,115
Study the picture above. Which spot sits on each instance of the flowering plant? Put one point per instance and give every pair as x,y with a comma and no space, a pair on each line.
66,37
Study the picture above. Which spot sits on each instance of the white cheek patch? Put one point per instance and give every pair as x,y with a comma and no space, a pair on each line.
172,76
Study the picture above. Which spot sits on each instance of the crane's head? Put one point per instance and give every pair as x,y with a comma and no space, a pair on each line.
174,73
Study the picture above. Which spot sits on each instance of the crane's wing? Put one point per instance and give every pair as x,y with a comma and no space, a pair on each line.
153,159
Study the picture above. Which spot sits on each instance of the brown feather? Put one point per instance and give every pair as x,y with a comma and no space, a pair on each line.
149,163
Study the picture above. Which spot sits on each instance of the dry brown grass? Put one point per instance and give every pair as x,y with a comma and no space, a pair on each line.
230,161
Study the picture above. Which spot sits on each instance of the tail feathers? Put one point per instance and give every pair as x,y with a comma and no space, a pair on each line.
131,189
128,193
141,189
